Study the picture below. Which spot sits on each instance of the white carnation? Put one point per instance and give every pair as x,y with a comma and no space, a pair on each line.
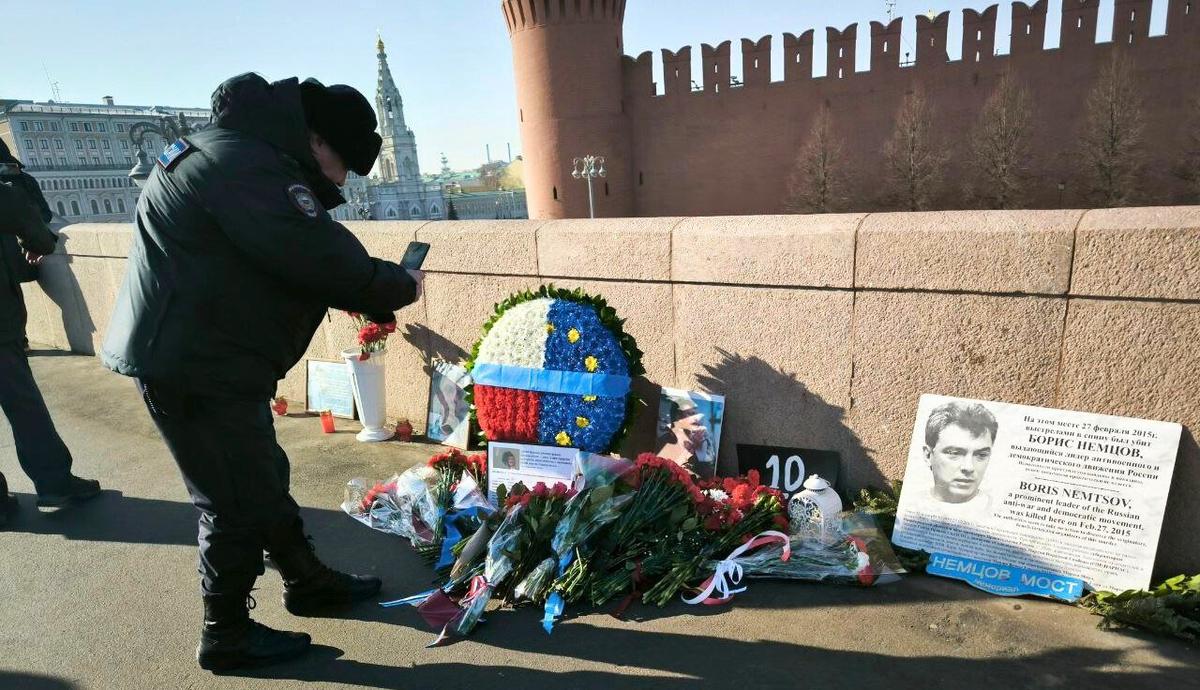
519,337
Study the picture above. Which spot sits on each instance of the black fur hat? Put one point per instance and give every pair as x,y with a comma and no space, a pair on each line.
344,119
7,158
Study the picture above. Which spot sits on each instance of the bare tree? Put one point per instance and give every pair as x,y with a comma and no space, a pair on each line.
914,160
815,185
1188,168
1000,146
1110,151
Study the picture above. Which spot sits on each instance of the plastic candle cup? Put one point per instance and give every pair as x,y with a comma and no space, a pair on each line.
327,421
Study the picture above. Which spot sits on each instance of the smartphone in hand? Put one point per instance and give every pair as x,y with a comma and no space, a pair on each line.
414,256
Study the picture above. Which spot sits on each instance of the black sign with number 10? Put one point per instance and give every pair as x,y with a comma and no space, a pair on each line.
787,468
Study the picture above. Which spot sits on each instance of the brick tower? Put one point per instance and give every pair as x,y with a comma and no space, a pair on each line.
567,63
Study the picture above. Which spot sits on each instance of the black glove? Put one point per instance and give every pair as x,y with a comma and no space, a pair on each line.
18,216
381,318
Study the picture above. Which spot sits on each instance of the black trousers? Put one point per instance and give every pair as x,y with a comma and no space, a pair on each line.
238,478
40,450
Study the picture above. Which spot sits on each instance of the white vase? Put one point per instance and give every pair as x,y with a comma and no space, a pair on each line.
367,375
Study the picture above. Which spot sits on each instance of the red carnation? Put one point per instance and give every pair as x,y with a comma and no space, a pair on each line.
866,575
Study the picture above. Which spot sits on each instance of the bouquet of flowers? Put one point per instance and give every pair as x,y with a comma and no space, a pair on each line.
732,512
432,505
519,546
401,505
589,511
862,557
460,500
372,337
453,463
617,560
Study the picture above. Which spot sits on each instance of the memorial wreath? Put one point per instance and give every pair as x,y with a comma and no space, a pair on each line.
554,367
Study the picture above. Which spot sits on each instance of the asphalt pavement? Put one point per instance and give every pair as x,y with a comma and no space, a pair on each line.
105,595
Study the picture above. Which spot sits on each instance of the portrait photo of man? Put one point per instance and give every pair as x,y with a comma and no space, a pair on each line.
958,448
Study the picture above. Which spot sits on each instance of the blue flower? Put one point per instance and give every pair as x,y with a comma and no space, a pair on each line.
594,340
560,413
577,337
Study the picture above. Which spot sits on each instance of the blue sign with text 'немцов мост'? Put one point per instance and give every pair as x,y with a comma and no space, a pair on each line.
1005,580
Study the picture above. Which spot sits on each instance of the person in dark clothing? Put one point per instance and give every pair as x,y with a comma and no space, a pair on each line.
24,239
235,262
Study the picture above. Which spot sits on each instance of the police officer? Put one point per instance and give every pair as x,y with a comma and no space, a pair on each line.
24,239
235,263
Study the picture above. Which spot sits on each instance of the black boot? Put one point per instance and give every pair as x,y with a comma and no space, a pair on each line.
8,502
312,588
231,640
75,489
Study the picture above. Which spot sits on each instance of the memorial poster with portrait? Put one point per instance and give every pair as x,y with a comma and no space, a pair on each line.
1039,490
510,464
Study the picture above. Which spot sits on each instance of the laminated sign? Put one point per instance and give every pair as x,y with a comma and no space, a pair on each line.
1030,500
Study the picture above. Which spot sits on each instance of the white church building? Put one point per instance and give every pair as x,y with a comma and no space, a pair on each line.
395,191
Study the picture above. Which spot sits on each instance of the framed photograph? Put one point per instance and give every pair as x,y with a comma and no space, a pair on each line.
689,429
328,386
449,419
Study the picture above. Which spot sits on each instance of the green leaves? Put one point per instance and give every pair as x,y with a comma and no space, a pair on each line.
1172,608
501,494
600,494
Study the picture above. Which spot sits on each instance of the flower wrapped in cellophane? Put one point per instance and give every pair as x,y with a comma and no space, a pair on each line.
732,511
617,559
600,503
425,504
519,546
863,556
460,500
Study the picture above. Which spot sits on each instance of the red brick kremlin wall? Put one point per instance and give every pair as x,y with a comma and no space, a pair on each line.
729,149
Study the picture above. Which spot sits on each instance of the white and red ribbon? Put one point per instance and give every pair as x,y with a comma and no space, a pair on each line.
720,588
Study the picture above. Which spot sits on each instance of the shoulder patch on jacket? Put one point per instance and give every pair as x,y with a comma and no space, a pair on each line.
171,155
303,199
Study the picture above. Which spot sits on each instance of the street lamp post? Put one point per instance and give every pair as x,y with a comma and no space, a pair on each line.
168,129
359,205
588,167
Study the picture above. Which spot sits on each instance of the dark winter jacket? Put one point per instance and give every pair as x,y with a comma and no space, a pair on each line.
236,259
23,217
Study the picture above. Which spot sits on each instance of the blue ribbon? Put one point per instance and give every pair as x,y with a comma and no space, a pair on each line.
550,380
553,609
554,603
452,535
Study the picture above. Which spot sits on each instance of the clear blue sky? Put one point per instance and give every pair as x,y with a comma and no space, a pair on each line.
450,58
